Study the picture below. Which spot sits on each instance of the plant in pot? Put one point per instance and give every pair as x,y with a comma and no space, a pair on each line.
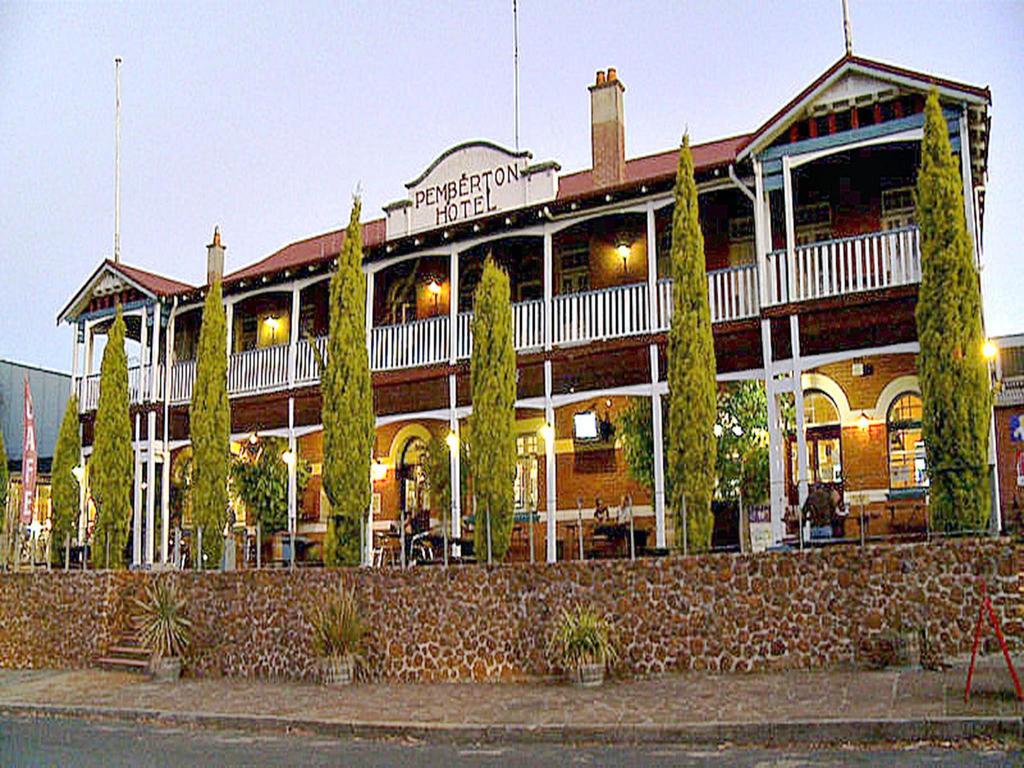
163,628
582,641
338,632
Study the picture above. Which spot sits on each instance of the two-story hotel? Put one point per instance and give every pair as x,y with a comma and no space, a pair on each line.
813,262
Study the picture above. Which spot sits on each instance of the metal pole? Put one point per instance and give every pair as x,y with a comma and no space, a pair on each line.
632,541
579,524
862,531
259,545
117,160
800,528
291,535
197,558
686,532
529,529
67,551
401,534
489,559
444,533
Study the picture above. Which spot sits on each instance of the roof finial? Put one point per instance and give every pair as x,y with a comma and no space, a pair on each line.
216,235
847,30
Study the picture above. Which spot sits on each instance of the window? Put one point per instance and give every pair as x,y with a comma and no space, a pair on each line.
907,465
898,208
526,472
741,241
823,435
813,223
574,275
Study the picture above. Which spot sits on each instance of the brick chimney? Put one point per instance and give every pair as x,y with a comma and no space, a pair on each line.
214,259
607,129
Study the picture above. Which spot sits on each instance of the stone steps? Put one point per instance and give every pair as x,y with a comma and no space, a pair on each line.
125,654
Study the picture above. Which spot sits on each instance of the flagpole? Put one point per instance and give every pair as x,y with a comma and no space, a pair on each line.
847,29
117,160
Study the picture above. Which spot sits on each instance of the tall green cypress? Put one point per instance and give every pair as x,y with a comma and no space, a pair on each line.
65,491
347,413
210,427
492,442
691,369
954,377
112,462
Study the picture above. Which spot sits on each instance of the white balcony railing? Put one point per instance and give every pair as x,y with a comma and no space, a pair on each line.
603,314
847,265
258,370
139,387
183,376
307,370
421,342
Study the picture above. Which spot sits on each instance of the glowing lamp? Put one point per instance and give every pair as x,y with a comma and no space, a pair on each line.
623,251
547,433
272,323
288,457
989,350
378,470
78,472
863,422
253,438
434,287
452,440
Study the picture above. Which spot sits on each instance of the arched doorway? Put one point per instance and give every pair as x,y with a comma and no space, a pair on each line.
413,498
824,446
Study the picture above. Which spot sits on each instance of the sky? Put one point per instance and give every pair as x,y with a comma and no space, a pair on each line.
264,118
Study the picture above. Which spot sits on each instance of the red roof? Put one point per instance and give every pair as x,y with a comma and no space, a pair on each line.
878,66
655,167
308,251
156,284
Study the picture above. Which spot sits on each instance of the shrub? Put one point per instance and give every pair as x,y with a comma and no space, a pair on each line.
338,626
582,637
164,630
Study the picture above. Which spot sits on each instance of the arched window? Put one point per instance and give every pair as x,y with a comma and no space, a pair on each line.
819,409
824,444
907,466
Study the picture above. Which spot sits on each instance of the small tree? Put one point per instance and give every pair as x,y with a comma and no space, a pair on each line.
112,466
210,427
65,491
743,424
955,388
259,477
691,370
636,427
347,411
437,468
492,443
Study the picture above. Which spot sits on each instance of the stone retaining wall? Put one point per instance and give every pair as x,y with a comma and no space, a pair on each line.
720,613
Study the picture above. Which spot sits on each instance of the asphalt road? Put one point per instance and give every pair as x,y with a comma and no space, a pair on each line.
65,742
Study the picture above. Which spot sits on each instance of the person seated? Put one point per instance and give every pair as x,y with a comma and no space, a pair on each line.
600,511
819,508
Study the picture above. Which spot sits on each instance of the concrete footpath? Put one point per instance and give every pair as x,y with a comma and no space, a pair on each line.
834,707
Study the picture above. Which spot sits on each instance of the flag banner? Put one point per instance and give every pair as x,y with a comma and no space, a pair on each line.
29,455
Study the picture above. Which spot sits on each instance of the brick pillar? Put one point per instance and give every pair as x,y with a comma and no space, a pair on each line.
607,129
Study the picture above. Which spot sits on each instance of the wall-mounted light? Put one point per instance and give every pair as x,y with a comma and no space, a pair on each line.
623,250
253,438
434,289
288,457
452,441
378,470
272,324
989,350
863,422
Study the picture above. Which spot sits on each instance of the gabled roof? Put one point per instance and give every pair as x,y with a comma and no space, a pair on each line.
152,285
656,167
850,63
309,251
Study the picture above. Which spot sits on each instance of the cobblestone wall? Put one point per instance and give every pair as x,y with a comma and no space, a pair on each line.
720,613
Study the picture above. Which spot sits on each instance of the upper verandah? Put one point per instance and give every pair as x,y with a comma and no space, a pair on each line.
851,83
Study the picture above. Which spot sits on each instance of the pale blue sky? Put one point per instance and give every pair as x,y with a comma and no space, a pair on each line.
263,118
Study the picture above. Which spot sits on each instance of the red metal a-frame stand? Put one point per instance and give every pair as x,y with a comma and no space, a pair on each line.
986,610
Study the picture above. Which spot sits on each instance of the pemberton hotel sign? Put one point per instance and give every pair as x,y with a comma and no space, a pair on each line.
470,181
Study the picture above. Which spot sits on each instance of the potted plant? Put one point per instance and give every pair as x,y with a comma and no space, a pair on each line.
338,632
582,640
164,630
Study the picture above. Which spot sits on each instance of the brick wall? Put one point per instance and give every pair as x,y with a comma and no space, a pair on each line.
815,609
1011,496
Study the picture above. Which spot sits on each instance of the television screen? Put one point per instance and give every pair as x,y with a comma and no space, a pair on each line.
585,426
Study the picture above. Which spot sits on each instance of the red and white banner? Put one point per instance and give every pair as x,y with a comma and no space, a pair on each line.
29,455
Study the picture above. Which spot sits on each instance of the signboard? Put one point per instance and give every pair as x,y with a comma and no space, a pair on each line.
1019,464
467,182
29,457
1017,428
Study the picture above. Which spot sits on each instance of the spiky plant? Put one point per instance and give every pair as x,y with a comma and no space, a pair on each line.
160,619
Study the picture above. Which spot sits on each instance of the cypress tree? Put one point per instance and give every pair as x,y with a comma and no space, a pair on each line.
347,410
112,462
210,427
65,491
492,443
954,377
691,369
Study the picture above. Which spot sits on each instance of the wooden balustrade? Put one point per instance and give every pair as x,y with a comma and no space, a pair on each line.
258,370
421,342
603,314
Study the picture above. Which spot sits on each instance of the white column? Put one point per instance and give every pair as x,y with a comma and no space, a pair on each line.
798,405
89,345
761,244
776,465
150,486
143,354
455,462
137,498
154,388
787,181
293,334
370,280
652,269
292,488
453,309
74,356
996,517
229,324
550,469
968,185
548,289
659,454
165,505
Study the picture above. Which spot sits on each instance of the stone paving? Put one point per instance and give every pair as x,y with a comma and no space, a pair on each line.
658,701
